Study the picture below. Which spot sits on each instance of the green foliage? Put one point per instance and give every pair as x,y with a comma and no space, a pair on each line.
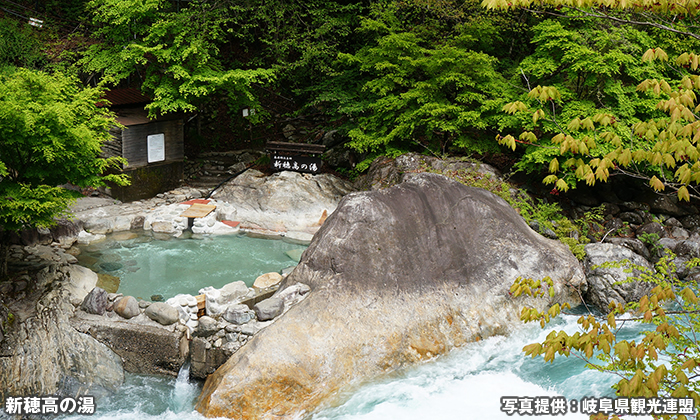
52,132
420,94
175,52
550,216
651,240
8,322
299,40
662,364
262,160
591,224
19,45
426,76
605,98
389,153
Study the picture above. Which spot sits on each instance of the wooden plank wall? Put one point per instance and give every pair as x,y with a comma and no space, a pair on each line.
113,147
135,141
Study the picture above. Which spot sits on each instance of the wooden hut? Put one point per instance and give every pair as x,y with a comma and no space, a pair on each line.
153,148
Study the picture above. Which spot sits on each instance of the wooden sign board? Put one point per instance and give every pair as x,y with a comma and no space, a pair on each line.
198,210
305,164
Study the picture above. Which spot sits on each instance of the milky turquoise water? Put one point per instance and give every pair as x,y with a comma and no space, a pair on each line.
147,266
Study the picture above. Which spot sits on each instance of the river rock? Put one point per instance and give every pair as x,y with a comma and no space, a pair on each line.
162,313
691,222
218,299
284,201
238,314
233,292
207,327
688,249
111,266
602,282
108,282
127,307
631,243
294,254
298,238
269,308
82,281
397,276
653,228
293,294
95,302
669,244
85,238
267,280
678,233
669,204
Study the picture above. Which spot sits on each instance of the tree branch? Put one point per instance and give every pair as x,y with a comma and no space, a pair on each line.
615,19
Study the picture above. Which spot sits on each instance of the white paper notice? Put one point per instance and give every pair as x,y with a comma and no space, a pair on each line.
156,148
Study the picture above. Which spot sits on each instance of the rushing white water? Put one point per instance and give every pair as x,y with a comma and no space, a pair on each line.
184,392
146,397
469,383
465,384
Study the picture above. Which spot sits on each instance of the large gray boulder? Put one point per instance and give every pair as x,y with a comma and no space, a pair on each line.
385,172
284,201
397,276
606,285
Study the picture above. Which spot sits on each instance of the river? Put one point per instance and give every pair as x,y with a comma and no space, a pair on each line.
468,383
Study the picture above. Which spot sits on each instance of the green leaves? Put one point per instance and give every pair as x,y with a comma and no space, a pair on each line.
421,94
655,54
682,7
52,132
175,52
649,128
662,364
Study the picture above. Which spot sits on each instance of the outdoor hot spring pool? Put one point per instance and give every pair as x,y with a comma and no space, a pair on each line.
143,265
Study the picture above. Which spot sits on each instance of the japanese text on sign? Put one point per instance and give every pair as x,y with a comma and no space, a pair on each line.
50,405
296,163
536,406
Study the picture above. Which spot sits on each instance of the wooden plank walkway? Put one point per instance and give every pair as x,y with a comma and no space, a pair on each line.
197,210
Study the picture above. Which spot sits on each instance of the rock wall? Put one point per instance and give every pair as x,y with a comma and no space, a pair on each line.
285,201
397,276
608,284
146,348
41,353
